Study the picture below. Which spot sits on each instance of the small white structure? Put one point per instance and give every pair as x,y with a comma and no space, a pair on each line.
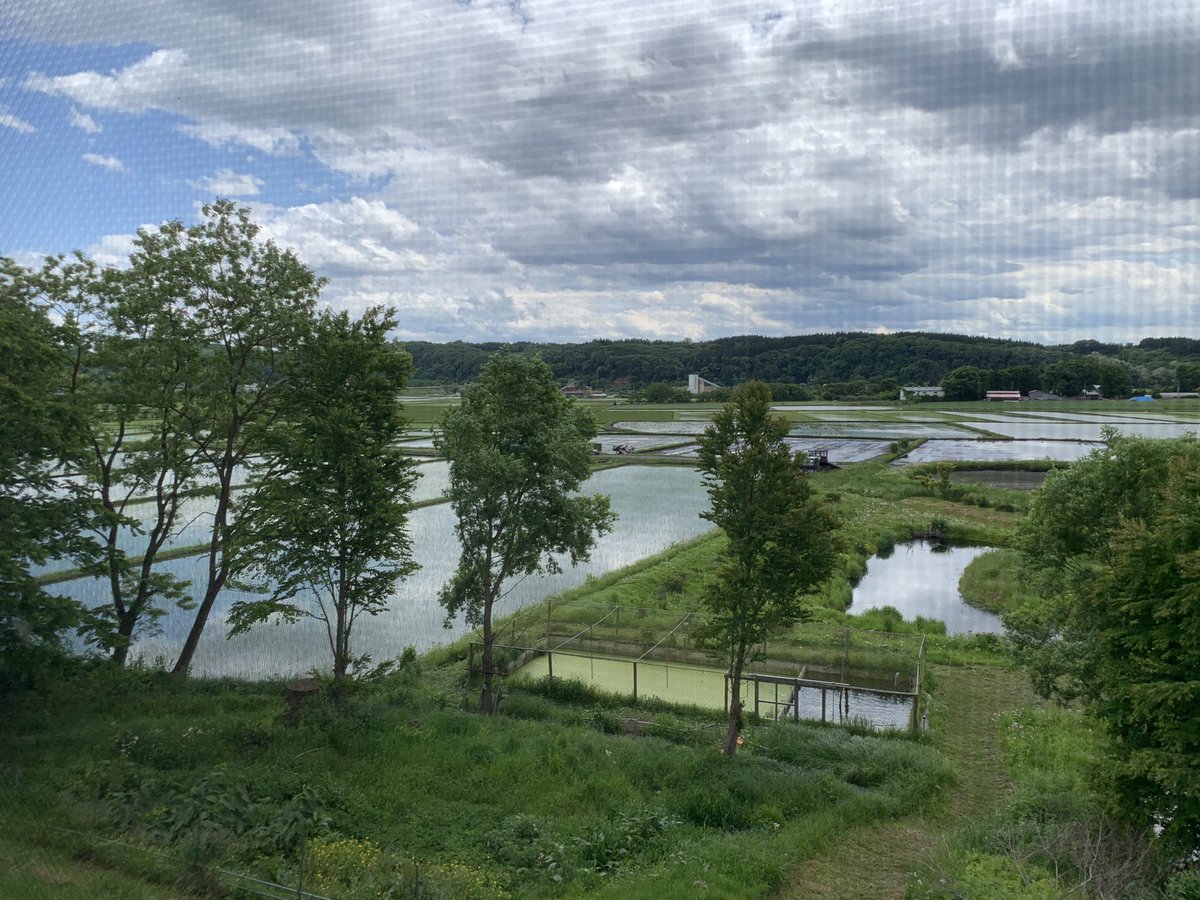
1004,395
698,385
916,390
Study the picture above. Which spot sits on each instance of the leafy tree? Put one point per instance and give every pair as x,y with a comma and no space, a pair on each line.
40,512
780,537
1072,375
965,383
661,392
1115,540
519,451
1187,376
125,361
245,305
330,510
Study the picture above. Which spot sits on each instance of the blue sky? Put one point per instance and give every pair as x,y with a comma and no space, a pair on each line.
566,170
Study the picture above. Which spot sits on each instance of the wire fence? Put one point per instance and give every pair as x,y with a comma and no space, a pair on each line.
814,672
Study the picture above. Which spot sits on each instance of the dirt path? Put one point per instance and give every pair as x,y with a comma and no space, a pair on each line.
876,861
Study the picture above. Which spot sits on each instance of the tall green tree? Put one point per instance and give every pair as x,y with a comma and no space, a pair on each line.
246,305
1115,542
41,511
332,497
519,452
780,536
125,361
965,383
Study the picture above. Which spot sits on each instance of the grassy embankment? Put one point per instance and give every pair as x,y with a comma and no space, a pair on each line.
121,784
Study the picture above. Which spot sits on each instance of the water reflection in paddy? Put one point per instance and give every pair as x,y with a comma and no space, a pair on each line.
920,579
657,507
996,451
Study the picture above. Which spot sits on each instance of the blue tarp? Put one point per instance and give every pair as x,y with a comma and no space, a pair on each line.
1144,398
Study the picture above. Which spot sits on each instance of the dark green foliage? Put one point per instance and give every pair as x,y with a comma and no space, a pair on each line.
779,536
41,517
519,451
965,383
1116,540
329,515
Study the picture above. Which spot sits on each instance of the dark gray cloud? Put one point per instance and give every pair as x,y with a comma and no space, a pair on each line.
999,82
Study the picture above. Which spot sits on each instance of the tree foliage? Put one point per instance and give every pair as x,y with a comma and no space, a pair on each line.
1115,541
333,493
125,360
780,537
965,383
41,513
519,451
244,306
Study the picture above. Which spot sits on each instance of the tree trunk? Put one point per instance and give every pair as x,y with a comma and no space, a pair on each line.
120,650
486,701
735,704
341,639
217,569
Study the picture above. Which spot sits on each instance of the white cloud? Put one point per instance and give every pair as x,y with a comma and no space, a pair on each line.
84,122
8,120
227,183
104,162
690,167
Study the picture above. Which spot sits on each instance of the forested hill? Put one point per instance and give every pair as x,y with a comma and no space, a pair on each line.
907,358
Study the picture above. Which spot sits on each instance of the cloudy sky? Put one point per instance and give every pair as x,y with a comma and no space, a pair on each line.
569,169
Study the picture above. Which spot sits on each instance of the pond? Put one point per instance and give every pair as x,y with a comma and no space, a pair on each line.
657,507
921,579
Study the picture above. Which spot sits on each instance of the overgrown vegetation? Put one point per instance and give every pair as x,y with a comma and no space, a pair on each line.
397,781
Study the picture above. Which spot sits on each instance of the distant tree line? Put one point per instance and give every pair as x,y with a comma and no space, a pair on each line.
842,365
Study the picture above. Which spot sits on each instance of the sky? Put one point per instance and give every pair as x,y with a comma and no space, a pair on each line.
561,170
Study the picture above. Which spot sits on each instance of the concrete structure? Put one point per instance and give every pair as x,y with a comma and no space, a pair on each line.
698,385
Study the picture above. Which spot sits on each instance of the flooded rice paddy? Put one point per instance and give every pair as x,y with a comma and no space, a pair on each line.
998,451
657,507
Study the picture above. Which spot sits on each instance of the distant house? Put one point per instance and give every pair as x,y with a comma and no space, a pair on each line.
917,390
1003,395
577,390
1043,395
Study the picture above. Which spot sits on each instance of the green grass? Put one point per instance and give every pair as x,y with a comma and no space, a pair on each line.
877,860
995,581
1054,835
553,805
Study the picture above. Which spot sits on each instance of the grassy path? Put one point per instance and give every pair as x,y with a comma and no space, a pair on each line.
875,862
